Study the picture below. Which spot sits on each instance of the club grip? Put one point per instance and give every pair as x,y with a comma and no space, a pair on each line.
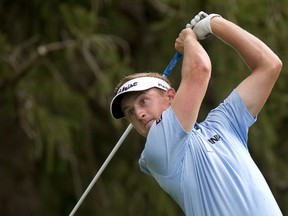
172,64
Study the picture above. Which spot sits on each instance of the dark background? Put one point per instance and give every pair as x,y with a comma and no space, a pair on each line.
59,63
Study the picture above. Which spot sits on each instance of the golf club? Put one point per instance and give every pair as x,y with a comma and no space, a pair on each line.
166,72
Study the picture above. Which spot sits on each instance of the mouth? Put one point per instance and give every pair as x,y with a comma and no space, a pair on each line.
149,123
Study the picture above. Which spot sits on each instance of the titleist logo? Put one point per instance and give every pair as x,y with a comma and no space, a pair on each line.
163,86
125,88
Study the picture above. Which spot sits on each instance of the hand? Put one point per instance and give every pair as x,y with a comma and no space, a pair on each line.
185,35
201,24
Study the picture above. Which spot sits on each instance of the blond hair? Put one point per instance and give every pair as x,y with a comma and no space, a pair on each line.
138,75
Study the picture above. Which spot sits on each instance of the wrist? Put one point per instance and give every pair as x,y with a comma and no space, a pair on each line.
215,23
188,42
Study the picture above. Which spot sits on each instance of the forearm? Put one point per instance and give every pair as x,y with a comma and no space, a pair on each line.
195,75
264,64
195,58
262,61
195,61
254,52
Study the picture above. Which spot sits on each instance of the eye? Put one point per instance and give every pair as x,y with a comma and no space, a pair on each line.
143,101
131,112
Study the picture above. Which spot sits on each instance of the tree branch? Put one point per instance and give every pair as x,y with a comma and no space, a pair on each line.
21,61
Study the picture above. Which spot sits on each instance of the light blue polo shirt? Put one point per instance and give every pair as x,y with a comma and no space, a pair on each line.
209,171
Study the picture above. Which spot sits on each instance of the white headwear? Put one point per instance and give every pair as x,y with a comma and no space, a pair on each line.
137,84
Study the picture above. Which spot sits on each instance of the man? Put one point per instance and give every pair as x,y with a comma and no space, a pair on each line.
205,167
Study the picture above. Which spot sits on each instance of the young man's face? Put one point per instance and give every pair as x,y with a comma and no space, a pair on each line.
143,108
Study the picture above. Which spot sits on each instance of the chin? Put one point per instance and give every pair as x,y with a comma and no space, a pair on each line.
143,132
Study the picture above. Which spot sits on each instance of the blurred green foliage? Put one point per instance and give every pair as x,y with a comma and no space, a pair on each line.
59,63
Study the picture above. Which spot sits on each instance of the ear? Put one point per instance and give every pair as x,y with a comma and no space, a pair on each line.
170,94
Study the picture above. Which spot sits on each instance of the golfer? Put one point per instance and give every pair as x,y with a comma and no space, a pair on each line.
206,167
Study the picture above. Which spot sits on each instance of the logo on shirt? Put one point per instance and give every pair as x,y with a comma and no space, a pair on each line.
158,120
214,139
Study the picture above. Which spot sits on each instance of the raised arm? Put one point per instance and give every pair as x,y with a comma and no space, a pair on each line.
262,61
195,75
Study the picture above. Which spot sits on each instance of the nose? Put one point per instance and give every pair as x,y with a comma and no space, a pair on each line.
140,113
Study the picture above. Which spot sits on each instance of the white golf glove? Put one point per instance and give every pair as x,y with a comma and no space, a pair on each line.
201,25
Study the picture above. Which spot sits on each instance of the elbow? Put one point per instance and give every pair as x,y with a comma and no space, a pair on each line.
205,69
272,65
276,66
203,66
200,69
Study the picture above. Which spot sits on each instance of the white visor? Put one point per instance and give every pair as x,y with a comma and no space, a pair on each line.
137,84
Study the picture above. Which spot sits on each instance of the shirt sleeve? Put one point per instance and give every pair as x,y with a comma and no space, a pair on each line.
165,146
232,115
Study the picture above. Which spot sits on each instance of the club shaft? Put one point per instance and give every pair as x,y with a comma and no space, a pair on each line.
172,64
102,168
166,72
